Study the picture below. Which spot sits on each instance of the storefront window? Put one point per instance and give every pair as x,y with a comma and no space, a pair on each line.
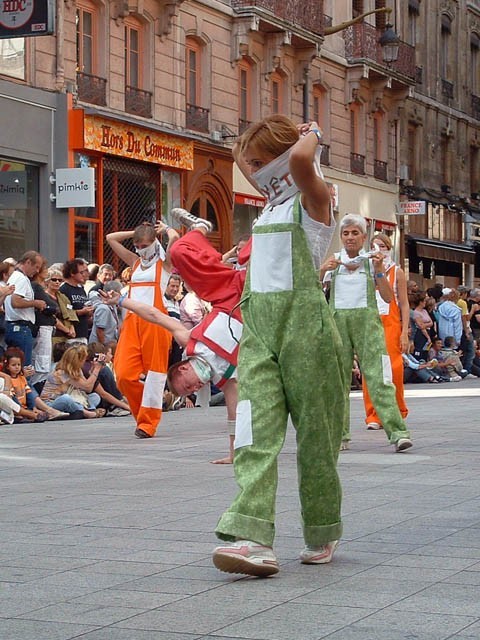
18,208
12,57
86,240
170,195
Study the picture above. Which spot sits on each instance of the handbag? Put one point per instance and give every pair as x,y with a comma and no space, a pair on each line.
77,395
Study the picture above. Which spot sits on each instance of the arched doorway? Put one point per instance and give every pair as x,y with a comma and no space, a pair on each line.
209,195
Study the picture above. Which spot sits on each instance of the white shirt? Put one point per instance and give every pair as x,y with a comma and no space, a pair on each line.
23,288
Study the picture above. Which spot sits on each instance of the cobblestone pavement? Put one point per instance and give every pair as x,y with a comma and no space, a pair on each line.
106,537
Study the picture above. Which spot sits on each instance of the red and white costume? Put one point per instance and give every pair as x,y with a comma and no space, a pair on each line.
216,338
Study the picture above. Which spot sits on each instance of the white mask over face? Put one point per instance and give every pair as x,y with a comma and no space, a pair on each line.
151,254
202,369
387,256
274,180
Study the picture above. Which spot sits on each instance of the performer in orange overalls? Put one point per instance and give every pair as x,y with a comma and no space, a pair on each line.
395,318
141,357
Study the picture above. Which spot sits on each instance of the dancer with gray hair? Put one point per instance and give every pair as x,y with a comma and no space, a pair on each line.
354,275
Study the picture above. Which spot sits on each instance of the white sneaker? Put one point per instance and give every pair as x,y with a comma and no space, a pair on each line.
189,220
456,378
374,426
403,444
118,412
247,557
318,555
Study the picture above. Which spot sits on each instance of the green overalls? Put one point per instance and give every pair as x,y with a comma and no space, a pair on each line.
362,334
289,363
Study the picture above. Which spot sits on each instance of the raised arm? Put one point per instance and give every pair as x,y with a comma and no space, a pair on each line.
315,191
115,240
172,235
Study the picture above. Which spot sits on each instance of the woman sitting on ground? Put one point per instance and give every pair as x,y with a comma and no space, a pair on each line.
67,388
111,398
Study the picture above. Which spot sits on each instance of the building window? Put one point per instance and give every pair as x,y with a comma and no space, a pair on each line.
413,13
380,18
475,170
86,40
244,95
357,8
357,159
276,84
445,35
12,58
19,207
475,64
193,72
133,53
412,153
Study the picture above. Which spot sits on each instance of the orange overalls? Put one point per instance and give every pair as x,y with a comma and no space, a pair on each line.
141,358
392,328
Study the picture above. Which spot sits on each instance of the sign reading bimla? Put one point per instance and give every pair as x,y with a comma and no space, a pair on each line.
23,18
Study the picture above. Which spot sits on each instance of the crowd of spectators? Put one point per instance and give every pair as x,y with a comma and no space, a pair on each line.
444,334
58,339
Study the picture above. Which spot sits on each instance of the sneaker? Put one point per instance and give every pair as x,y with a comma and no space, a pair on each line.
318,555
403,444
463,373
374,426
345,446
245,556
7,417
189,220
456,378
118,412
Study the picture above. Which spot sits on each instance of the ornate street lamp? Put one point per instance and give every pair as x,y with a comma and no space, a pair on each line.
390,43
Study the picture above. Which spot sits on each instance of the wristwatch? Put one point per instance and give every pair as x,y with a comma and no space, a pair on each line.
318,133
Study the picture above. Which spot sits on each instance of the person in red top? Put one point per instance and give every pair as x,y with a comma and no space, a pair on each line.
211,347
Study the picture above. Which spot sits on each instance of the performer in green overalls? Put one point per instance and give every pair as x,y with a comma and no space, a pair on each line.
290,355
353,301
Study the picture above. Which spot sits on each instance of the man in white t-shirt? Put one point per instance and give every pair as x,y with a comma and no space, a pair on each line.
20,306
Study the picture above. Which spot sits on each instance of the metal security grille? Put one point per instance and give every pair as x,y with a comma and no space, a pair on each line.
131,195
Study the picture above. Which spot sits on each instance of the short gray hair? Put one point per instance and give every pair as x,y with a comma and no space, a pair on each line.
353,220
113,285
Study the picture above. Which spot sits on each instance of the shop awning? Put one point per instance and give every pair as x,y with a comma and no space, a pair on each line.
445,251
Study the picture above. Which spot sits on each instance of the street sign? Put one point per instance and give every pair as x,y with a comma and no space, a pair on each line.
24,18
411,208
75,187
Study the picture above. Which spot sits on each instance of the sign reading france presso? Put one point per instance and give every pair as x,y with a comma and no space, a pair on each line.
130,141
22,18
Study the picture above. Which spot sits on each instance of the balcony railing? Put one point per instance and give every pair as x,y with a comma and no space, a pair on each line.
306,14
380,170
357,164
138,102
243,125
447,89
197,118
476,106
325,155
362,44
92,89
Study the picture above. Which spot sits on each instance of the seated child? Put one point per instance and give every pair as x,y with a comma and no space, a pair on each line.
451,357
31,406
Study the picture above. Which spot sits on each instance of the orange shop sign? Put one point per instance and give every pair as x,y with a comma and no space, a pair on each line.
130,141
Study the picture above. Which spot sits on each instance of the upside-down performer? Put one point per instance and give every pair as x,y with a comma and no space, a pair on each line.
211,348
